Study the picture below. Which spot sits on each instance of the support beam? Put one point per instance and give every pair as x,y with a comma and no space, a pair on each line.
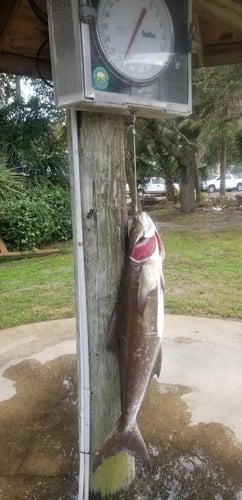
20,65
224,10
9,12
198,37
230,53
230,5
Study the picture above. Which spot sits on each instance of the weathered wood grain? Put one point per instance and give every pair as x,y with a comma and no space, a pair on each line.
104,218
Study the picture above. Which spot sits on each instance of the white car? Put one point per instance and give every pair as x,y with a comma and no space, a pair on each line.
155,186
231,182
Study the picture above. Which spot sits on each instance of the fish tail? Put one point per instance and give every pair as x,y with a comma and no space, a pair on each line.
122,439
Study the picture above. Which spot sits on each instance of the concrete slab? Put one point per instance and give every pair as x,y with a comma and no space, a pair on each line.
206,355
191,419
38,412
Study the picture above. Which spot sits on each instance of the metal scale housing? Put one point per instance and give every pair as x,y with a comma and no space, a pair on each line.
75,55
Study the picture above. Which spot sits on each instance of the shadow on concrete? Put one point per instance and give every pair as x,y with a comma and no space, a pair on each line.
39,432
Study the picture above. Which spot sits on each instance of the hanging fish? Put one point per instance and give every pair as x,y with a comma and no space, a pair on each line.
135,334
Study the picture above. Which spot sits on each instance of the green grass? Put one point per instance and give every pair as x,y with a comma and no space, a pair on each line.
37,289
203,273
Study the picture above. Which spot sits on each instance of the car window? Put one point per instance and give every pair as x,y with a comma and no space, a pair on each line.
158,180
228,176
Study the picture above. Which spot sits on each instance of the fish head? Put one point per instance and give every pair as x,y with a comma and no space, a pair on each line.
144,240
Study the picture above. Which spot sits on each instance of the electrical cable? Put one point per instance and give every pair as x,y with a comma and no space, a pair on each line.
40,14
38,63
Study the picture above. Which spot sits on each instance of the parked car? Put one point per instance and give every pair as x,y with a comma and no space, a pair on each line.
154,186
231,183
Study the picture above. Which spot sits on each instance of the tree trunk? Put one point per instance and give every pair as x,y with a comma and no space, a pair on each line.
170,190
171,193
197,182
184,155
187,190
188,166
223,167
104,218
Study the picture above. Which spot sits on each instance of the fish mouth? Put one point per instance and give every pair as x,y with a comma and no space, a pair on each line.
144,248
144,239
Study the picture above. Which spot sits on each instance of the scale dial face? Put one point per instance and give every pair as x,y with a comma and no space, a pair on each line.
135,36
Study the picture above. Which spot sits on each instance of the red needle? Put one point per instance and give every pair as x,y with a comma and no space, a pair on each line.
137,26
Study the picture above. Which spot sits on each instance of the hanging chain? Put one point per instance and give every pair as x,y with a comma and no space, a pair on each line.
135,161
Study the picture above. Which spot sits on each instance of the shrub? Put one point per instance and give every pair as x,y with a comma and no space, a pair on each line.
60,201
224,201
38,217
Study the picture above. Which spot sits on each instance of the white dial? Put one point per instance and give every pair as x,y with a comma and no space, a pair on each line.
136,37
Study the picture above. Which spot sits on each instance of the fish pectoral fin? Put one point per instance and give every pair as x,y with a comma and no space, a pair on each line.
158,362
120,439
112,337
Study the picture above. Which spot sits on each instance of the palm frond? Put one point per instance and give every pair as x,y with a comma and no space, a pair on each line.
10,182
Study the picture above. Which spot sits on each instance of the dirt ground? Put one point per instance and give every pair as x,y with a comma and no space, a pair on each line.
205,218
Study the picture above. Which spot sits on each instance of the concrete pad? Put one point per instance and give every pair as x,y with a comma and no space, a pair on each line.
38,412
206,355
191,419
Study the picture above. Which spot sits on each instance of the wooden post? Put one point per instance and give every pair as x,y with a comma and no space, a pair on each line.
104,220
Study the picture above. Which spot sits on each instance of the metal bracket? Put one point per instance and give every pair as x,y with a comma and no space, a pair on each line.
87,12
193,43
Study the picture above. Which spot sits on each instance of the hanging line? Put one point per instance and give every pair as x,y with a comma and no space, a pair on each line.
135,162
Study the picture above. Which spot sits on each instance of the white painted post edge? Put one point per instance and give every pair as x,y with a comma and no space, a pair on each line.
81,318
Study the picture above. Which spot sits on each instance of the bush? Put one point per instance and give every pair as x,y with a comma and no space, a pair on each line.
38,217
59,201
226,201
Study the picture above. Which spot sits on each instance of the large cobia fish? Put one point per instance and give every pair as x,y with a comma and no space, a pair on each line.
135,334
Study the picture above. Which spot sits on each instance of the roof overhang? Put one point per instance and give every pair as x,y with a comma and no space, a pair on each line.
24,47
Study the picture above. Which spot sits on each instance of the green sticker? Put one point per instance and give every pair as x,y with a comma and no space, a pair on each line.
100,78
